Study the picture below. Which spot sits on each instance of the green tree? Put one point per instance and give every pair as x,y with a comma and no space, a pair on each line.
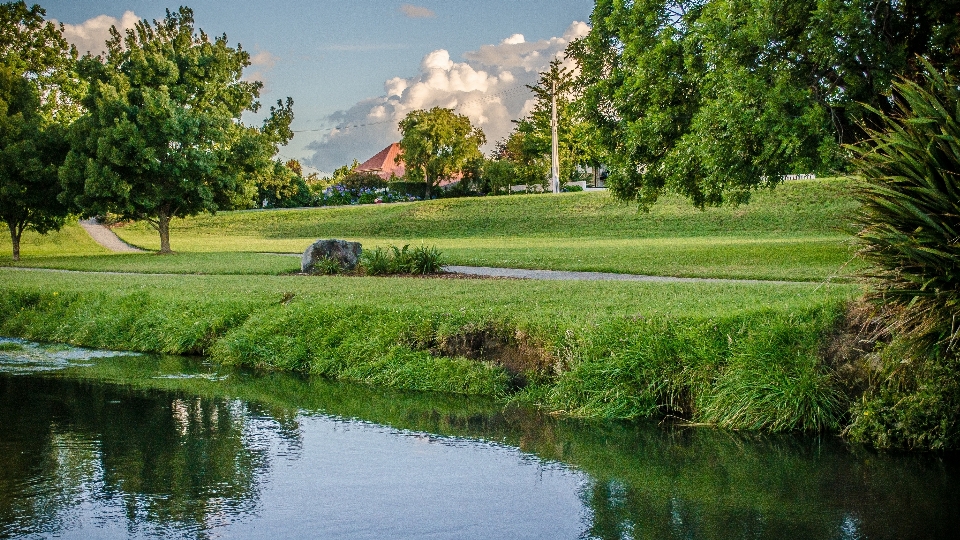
714,98
36,86
437,144
576,139
162,137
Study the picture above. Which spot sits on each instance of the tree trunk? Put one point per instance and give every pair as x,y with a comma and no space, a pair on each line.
15,235
429,182
163,226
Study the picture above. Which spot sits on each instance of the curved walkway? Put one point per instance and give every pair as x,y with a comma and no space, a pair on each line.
589,276
107,238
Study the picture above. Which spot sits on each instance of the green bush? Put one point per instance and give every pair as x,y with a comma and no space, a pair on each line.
376,262
425,260
911,238
395,260
327,266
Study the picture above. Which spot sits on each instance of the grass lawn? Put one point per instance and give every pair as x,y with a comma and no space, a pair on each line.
545,304
797,232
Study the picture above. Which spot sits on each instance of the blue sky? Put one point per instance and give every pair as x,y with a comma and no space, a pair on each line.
368,62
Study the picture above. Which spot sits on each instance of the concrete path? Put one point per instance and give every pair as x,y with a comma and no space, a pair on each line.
107,238
588,276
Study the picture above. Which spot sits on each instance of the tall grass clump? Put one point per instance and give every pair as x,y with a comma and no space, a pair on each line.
761,372
911,238
421,260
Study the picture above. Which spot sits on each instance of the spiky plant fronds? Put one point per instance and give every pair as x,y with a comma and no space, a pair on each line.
911,213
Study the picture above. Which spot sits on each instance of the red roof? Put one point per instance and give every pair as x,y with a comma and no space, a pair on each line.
384,163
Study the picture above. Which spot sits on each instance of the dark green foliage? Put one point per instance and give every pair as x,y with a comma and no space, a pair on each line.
915,405
715,98
911,213
327,266
36,81
377,262
281,187
395,260
162,137
911,227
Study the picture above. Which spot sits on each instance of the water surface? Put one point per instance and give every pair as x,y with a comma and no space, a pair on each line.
93,445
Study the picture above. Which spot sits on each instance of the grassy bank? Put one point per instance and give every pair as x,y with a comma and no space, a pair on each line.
591,349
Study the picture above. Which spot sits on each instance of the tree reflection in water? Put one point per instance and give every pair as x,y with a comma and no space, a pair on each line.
162,461
185,453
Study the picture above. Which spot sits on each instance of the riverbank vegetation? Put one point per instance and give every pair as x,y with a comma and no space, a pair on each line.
542,342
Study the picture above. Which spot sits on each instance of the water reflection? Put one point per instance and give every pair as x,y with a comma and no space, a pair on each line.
169,446
146,458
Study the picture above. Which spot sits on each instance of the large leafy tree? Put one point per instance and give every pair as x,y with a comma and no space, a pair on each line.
162,137
36,87
714,98
438,144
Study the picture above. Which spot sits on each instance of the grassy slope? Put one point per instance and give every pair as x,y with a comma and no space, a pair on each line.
795,232
611,345
71,241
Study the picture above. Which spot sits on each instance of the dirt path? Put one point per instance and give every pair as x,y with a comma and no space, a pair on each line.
107,238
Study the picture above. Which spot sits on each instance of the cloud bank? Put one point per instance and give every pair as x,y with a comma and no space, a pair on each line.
488,87
92,34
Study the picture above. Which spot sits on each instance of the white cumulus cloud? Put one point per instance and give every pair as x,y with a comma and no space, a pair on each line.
488,87
91,35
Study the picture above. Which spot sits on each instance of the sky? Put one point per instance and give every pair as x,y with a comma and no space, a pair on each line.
354,68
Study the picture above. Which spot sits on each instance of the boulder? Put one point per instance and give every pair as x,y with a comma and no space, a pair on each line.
346,253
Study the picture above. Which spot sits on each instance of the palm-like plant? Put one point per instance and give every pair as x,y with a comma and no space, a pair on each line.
911,214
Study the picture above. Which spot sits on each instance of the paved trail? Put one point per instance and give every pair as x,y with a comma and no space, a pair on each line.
588,276
107,238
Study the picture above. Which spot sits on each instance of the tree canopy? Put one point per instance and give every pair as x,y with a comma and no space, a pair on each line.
162,135
714,98
438,144
37,91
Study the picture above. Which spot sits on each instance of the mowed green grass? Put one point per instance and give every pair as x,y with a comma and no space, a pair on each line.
70,241
541,304
799,231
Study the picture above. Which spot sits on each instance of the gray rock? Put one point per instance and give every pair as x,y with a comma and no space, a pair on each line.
346,253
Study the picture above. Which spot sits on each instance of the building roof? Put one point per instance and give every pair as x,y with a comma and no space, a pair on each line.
384,163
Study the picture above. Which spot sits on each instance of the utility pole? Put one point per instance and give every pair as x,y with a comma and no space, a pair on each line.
555,157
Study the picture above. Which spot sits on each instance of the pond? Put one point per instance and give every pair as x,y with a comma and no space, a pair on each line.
97,445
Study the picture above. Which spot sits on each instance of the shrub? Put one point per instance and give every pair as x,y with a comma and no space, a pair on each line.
376,262
327,266
911,213
395,260
426,260
911,238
